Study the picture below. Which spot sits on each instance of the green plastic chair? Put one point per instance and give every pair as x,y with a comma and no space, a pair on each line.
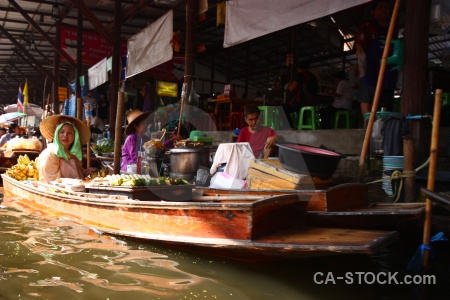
342,117
308,118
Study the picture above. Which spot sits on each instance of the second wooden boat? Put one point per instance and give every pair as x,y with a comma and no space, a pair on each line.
343,206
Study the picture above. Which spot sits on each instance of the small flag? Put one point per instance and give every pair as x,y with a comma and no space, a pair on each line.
20,98
25,93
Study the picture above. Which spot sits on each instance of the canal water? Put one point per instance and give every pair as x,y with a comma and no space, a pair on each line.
45,257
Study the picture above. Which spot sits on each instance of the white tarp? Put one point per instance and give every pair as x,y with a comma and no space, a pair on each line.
151,46
249,19
98,74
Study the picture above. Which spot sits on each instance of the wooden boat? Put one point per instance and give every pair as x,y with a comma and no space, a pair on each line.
440,220
258,227
440,198
343,206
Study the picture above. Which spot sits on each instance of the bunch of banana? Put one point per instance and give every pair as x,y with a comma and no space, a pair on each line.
115,179
24,169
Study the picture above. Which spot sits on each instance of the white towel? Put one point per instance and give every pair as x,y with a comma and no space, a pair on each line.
237,157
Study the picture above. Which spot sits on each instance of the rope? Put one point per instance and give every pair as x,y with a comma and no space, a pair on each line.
397,176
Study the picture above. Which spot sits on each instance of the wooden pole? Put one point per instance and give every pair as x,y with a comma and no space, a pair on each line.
190,44
408,168
183,99
88,123
55,102
88,149
114,117
80,108
376,98
431,173
118,133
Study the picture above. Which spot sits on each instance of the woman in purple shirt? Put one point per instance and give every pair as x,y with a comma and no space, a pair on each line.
135,138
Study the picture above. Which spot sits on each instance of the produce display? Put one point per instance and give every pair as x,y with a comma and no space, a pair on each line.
25,169
103,146
16,143
138,180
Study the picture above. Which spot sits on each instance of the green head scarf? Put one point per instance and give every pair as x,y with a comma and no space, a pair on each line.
76,146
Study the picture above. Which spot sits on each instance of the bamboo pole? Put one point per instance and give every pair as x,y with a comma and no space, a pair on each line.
408,168
376,98
431,173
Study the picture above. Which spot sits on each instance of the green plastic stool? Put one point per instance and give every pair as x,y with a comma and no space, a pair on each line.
308,118
347,121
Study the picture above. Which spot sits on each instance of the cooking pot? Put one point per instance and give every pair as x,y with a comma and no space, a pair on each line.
184,162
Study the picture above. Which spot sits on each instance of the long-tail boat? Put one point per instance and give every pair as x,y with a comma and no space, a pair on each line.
255,227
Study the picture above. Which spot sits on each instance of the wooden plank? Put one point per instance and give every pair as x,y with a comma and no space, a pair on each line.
274,167
257,180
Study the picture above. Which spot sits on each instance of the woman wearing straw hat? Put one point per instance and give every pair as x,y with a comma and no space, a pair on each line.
63,157
133,143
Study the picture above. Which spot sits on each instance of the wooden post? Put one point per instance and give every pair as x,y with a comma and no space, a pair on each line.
408,168
416,96
80,108
88,149
183,100
431,173
118,133
87,109
114,116
376,97
190,44
79,53
55,102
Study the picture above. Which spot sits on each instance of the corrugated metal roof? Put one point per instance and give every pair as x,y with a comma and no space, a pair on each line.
257,62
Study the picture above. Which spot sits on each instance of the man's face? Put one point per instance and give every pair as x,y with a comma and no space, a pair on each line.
252,120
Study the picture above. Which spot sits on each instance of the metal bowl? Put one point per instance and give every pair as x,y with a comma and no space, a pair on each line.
155,152
306,159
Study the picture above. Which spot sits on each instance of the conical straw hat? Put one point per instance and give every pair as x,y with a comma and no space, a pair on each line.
134,117
48,127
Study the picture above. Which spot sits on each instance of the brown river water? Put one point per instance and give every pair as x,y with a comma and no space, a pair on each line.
44,257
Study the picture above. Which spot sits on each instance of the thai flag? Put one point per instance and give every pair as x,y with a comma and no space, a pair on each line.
20,98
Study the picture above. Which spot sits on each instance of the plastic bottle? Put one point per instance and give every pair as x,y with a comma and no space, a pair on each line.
166,172
145,167
108,133
272,125
139,163
157,121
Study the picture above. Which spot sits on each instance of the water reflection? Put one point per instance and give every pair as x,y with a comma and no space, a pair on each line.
48,257
56,258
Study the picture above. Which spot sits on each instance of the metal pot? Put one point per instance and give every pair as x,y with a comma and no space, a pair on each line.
184,162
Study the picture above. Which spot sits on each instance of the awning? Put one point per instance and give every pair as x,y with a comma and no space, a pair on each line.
151,46
249,19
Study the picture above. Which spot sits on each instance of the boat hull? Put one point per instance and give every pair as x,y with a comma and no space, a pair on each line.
268,228
344,206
